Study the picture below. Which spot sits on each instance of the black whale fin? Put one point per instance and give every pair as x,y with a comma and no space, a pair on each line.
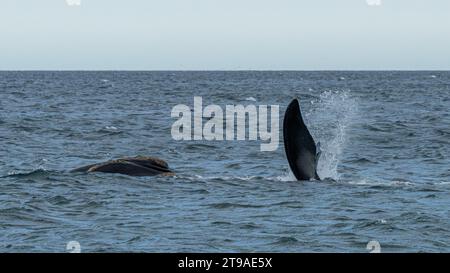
299,145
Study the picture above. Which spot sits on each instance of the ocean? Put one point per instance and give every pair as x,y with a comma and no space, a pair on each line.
385,164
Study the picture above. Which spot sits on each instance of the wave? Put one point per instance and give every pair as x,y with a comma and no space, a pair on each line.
226,205
199,146
380,183
287,177
33,173
362,160
285,240
110,130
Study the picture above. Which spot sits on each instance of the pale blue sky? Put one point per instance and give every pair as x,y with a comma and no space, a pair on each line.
224,34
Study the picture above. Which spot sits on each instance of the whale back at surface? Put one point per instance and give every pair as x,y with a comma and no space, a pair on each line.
135,166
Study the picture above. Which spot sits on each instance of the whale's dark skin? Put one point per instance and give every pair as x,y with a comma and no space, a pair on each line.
134,166
299,145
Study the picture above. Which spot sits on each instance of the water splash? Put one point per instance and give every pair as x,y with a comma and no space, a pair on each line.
332,115
286,177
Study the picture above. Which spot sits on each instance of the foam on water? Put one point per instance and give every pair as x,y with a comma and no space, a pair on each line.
287,177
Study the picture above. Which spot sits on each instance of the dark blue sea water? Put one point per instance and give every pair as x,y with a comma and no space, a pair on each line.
386,147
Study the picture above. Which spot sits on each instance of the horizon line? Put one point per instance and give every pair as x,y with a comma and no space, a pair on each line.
224,70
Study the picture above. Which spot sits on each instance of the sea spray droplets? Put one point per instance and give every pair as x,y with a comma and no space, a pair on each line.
330,118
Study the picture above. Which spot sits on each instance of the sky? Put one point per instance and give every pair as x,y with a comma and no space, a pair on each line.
225,35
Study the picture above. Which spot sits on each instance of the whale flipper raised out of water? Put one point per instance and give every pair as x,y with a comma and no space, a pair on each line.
135,166
299,145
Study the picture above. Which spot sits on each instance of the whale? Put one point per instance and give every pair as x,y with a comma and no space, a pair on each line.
301,150
133,166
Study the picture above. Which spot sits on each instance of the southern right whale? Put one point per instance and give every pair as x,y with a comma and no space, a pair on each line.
301,150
